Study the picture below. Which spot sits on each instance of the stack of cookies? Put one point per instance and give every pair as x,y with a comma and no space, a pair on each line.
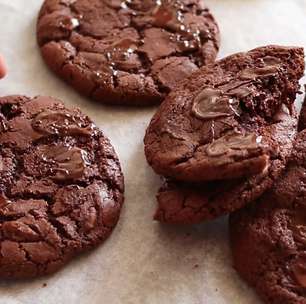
226,141
224,135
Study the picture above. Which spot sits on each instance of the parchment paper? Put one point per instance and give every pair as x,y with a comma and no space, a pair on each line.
142,262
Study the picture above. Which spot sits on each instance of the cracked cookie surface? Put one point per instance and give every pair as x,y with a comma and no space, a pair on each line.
268,237
126,52
61,185
216,124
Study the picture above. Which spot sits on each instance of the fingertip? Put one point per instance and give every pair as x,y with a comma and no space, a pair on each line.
3,69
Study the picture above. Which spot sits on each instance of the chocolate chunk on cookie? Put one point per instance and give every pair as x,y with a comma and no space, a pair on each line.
190,203
268,238
61,186
127,52
215,124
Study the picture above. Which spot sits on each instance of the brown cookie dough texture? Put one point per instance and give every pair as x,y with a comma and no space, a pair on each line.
61,186
268,238
224,135
130,52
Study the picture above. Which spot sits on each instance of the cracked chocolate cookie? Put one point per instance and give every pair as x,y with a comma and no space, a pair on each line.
191,203
268,238
130,52
61,186
215,124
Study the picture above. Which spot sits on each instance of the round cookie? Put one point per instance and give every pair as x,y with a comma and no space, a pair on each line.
61,185
268,238
190,203
213,126
130,52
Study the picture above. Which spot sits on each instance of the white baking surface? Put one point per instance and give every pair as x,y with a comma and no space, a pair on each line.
142,262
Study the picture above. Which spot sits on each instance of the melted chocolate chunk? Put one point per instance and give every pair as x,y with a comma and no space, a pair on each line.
254,73
67,162
217,103
270,60
119,56
210,104
170,14
61,123
240,92
234,143
122,50
270,66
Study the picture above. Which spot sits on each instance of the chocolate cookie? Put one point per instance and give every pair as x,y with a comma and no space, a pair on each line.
268,238
130,52
61,186
215,125
190,203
